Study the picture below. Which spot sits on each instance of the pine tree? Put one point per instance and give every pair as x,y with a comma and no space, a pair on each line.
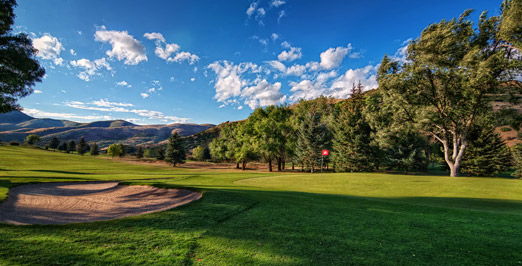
62,146
94,150
54,143
487,153
311,139
160,154
71,146
82,146
175,152
352,142
139,153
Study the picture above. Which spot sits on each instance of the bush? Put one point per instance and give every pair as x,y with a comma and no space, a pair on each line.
14,143
505,129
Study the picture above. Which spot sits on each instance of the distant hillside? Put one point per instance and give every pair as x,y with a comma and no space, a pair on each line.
17,126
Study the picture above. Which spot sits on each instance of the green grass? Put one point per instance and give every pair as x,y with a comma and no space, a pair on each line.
248,218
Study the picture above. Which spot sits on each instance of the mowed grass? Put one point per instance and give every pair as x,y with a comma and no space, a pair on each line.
249,218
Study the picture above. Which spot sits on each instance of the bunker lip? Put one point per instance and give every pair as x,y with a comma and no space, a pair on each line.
76,202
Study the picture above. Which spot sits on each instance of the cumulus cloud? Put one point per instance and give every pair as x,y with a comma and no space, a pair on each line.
163,49
184,56
263,93
144,95
277,3
233,83
295,70
293,54
155,36
274,36
333,57
49,48
251,9
123,83
124,46
72,52
342,86
90,68
286,45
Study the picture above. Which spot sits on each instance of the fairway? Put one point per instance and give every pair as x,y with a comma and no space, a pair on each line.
251,218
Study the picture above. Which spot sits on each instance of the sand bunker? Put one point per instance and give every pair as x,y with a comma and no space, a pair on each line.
61,203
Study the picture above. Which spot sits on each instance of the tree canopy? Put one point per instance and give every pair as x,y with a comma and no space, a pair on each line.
19,69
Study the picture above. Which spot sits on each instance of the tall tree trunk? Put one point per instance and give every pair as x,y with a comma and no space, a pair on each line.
455,160
270,165
312,170
243,166
292,165
279,164
237,165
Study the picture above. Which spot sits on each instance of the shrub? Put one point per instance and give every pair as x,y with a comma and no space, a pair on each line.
505,129
14,143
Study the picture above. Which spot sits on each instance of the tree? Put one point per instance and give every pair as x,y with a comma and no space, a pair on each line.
517,160
95,151
139,153
116,150
510,31
443,84
82,147
352,141
175,152
160,154
54,143
18,67
32,139
312,137
487,153
71,146
200,153
62,146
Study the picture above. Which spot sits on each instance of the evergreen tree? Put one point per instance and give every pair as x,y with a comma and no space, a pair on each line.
487,153
312,137
18,66
175,152
71,146
517,160
160,154
82,147
54,143
62,146
94,150
352,142
206,153
139,153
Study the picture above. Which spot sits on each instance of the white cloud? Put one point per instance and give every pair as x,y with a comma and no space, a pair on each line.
90,68
263,94
295,70
124,46
286,45
37,91
342,86
155,36
43,114
49,48
333,57
106,106
72,52
282,13
251,9
277,65
144,95
169,49
233,83
274,36
105,103
123,83
193,79
277,3
184,56
311,89
291,55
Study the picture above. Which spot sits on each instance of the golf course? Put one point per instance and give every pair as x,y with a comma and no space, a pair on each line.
261,218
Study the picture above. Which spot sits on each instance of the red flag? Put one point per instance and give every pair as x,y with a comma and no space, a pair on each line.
326,152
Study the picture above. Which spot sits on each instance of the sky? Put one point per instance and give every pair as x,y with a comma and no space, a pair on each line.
207,61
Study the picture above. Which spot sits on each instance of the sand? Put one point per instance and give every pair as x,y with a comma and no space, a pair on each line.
62,203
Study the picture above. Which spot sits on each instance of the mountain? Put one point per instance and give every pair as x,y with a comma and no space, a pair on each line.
17,126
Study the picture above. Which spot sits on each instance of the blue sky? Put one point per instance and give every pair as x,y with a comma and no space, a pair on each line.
159,62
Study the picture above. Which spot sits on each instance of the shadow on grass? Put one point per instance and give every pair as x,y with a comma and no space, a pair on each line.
60,172
255,227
